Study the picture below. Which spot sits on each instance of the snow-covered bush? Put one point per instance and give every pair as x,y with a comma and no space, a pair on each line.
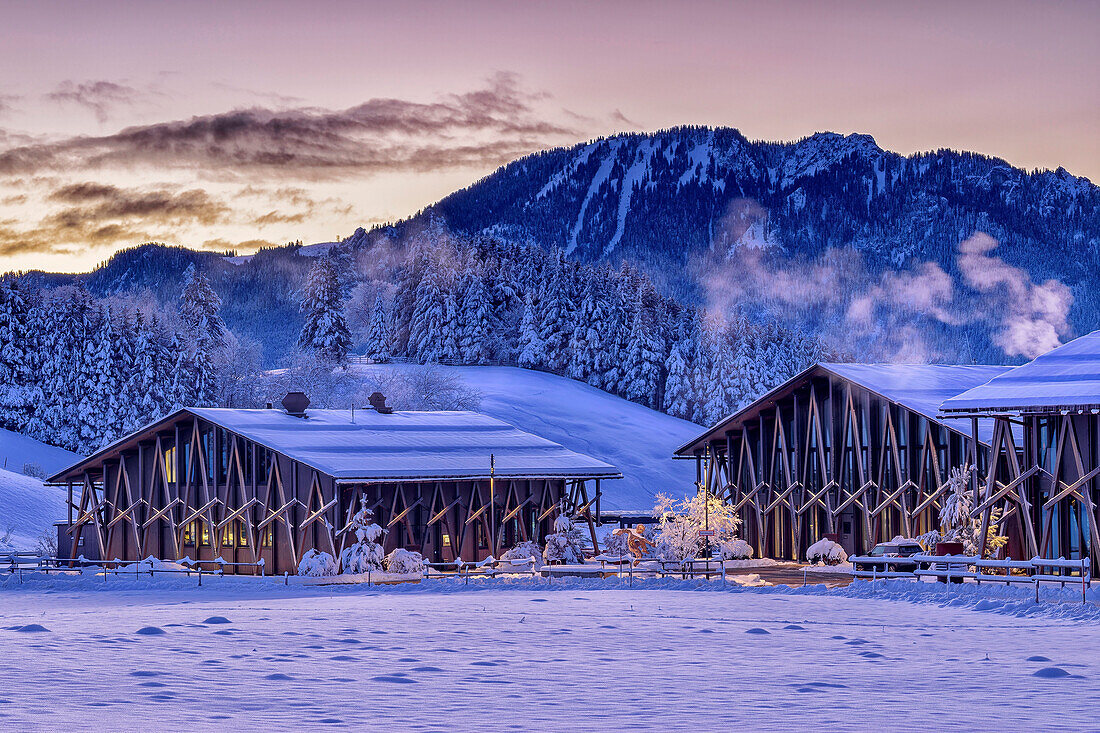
616,544
678,529
735,549
34,470
317,564
956,524
366,554
826,552
566,544
524,550
405,562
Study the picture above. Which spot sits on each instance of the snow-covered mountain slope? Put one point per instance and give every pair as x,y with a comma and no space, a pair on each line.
662,200
27,509
637,440
17,450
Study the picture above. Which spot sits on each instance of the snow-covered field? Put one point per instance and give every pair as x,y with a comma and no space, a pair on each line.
575,655
637,440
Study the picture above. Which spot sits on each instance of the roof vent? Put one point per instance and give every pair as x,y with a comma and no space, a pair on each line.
378,402
296,403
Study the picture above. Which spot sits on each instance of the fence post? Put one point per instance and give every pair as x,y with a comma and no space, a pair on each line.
200,575
1036,588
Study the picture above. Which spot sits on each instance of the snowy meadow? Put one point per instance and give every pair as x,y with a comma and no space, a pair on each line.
527,655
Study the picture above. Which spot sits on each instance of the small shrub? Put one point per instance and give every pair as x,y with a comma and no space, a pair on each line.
316,564
827,552
524,550
34,470
735,549
405,562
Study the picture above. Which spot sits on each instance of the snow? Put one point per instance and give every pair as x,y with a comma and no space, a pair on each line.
444,444
1065,377
601,176
571,654
309,250
632,178
636,440
16,450
28,508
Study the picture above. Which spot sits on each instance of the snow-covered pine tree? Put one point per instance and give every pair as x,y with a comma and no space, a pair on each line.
555,326
378,333
17,356
588,354
477,323
643,371
452,328
325,329
426,329
531,349
679,387
200,310
366,554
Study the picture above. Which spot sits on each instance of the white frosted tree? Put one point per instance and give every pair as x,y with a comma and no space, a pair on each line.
565,544
532,353
17,356
643,370
325,329
366,554
378,333
477,325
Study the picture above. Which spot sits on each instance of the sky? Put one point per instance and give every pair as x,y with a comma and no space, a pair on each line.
229,126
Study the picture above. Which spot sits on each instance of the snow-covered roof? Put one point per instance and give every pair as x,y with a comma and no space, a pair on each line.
1065,378
920,388
398,446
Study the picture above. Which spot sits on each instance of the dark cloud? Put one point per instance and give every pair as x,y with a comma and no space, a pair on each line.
92,203
100,97
378,135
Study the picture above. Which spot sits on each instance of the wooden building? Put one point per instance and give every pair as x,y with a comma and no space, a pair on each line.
246,485
852,450
1045,447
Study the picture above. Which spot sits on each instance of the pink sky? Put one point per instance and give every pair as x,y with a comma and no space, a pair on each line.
1012,79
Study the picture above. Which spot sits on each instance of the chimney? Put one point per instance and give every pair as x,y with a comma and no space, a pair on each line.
378,402
296,403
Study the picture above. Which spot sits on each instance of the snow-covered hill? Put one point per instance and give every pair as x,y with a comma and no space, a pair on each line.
637,440
17,450
27,508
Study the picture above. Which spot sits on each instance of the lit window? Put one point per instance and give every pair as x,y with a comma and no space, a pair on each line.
446,539
170,465
242,534
228,536
189,535
265,537
205,535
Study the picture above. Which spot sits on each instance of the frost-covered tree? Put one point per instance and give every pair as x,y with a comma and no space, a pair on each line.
477,322
643,371
378,333
532,352
18,356
199,311
366,553
565,544
325,329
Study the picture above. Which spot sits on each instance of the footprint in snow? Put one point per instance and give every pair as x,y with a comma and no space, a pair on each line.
856,641
426,669
818,684
224,632
151,684
538,600
484,664
278,676
145,673
344,658
408,659
394,679
150,631
1038,659
706,631
757,630
871,655
32,629
217,620
793,627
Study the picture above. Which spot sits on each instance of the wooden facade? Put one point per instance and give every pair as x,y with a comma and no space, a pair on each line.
188,487
824,454
1046,487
